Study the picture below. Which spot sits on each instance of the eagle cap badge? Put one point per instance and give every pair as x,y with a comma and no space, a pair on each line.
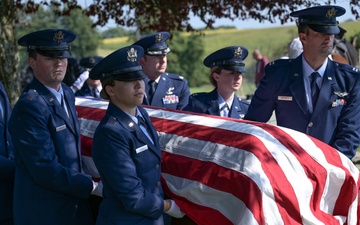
132,55
58,36
238,52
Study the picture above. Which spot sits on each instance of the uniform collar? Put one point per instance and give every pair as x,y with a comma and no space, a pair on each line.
308,70
57,94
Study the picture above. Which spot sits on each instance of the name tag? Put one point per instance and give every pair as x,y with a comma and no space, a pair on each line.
60,128
285,98
141,149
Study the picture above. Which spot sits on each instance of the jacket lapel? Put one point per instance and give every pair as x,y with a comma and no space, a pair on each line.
53,103
158,95
130,125
326,96
212,101
235,111
297,86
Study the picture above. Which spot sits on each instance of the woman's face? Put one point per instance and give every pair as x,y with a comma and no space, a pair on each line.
127,95
228,81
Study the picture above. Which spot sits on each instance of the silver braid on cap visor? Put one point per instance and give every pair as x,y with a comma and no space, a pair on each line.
117,72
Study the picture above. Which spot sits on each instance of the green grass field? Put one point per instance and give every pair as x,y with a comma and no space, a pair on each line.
272,42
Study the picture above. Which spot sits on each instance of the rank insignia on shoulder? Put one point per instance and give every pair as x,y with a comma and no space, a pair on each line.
112,121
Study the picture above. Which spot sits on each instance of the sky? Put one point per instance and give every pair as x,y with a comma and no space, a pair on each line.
247,24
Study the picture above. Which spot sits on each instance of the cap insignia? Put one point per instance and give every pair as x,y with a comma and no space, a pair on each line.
132,55
158,38
58,37
92,60
237,52
331,13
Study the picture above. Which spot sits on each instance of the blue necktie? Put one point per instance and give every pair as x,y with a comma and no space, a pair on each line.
63,105
314,87
141,122
152,84
225,110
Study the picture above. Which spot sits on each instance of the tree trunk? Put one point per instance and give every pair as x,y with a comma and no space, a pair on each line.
9,57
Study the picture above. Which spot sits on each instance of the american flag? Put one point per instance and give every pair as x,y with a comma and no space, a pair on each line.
228,171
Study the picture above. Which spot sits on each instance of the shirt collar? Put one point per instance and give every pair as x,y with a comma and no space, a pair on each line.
222,102
57,94
308,70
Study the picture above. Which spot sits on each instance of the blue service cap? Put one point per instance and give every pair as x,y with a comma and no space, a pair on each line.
50,42
90,61
155,44
123,64
321,19
229,58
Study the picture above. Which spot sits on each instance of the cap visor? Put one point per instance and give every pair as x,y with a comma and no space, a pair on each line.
325,29
55,54
135,75
240,69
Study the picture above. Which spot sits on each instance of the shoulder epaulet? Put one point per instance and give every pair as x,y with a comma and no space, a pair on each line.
199,94
279,62
244,101
31,94
346,67
175,76
112,121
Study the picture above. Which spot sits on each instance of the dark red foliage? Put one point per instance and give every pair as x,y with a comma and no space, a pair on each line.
175,15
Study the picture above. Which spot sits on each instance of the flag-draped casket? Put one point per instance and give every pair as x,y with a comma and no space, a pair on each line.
227,171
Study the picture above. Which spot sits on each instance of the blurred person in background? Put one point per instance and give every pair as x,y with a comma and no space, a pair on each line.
91,88
261,62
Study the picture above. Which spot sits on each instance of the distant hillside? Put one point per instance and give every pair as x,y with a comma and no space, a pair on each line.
268,40
272,42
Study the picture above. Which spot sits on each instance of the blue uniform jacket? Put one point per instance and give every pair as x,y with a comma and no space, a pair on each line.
336,115
130,169
207,103
7,164
172,92
50,187
85,91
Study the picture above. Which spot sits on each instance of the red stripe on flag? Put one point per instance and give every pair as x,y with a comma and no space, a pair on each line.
90,113
86,145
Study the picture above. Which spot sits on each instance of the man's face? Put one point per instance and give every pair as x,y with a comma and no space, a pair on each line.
317,43
154,66
49,71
